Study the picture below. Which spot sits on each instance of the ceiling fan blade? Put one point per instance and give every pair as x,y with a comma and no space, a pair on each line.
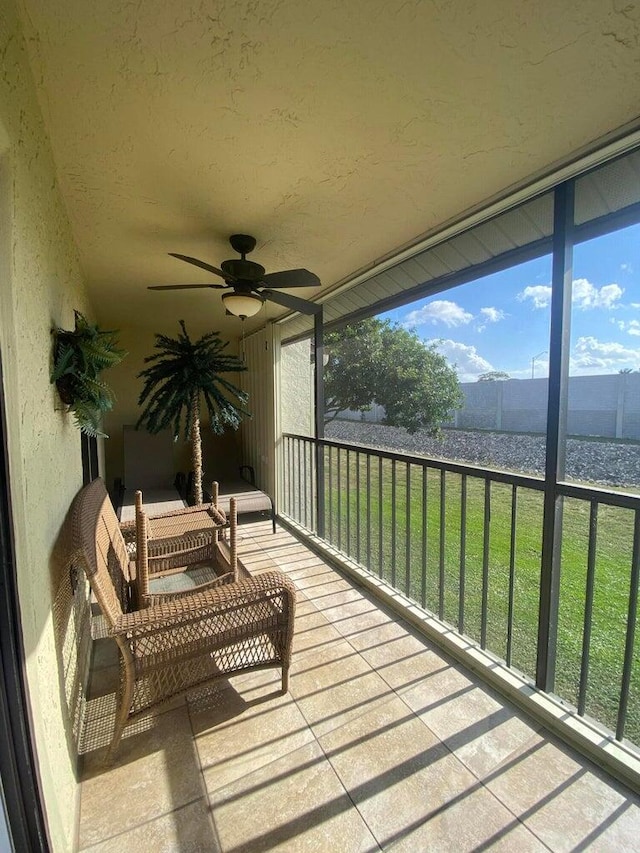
292,302
185,286
203,266
291,278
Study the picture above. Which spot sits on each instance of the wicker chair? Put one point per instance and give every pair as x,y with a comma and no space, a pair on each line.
182,641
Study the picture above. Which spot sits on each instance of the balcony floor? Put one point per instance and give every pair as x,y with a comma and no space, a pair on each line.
383,742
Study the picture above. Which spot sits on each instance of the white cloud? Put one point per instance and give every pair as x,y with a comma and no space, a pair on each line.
539,294
631,328
469,363
584,295
628,268
593,356
439,311
489,315
492,315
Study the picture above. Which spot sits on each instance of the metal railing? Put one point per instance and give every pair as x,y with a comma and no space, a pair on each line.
465,544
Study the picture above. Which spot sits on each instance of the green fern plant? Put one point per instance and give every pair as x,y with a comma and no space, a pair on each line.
182,374
79,357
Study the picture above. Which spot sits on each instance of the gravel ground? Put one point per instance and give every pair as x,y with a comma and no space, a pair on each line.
600,462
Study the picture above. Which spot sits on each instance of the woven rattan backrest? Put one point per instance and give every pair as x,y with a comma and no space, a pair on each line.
98,540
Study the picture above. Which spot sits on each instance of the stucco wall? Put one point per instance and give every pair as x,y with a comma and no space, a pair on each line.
296,388
40,285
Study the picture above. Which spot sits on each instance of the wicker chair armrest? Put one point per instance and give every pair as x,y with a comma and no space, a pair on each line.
192,608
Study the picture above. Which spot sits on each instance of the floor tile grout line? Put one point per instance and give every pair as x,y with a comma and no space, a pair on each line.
346,639
414,715
335,772
88,848
328,759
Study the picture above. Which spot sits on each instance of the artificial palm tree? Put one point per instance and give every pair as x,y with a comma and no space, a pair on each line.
183,372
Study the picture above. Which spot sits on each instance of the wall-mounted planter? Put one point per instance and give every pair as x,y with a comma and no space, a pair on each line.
79,357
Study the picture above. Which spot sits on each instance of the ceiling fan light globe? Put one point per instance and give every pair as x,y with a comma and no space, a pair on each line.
242,304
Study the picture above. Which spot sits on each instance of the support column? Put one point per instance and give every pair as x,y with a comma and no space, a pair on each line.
318,340
559,341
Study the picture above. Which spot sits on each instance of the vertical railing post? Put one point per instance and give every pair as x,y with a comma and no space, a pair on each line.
559,341
318,340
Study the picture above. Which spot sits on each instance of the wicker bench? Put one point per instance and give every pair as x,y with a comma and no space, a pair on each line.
183,640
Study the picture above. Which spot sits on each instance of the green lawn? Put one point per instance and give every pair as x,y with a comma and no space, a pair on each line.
438,525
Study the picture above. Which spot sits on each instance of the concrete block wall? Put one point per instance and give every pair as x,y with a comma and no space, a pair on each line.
607,405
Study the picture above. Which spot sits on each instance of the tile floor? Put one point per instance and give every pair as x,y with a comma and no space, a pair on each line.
382,743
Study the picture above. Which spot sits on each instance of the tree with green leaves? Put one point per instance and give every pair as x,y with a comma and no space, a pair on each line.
375,361
494,376
182,374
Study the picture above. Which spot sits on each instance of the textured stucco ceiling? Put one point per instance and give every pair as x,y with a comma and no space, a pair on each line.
333,130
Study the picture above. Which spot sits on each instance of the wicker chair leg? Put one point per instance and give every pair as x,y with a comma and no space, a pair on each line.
122,715
285,678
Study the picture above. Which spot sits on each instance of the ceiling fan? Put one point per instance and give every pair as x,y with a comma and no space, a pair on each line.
247,283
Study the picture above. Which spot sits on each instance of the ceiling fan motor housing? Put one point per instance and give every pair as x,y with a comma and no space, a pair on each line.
243,270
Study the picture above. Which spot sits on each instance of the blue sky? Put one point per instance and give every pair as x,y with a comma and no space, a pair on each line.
501,322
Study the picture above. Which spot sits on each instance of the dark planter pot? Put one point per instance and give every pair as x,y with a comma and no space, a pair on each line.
65,389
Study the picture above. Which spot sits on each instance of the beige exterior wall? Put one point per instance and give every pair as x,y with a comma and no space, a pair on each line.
296,388
258,432
40,285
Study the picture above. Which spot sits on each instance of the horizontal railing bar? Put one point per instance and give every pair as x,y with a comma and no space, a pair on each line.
508,477
626,500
